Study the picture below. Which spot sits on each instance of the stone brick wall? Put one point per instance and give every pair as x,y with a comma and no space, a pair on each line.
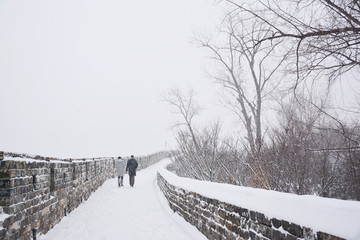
220,220
146,161
36,195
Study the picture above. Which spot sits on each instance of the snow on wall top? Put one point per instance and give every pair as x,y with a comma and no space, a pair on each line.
337,217
11,156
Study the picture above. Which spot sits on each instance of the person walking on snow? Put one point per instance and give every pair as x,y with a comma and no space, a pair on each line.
131,167
120,167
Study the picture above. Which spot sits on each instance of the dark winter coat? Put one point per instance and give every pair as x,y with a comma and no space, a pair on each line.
131,166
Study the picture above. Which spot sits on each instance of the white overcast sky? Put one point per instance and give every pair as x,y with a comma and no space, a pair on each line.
84,78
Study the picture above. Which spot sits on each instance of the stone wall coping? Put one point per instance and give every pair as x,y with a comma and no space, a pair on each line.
11,156
338,217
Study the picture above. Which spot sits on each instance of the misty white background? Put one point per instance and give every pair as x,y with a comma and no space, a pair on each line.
84,78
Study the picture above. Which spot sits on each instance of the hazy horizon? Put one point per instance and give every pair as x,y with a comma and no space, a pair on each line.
85,78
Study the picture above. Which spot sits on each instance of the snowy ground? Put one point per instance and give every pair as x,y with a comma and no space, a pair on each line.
113,213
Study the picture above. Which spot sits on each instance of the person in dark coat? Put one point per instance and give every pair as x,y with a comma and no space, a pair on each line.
131,167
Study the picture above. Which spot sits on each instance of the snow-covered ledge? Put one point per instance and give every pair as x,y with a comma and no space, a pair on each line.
223,211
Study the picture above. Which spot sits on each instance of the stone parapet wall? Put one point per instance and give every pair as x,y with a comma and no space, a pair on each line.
36,195
219,220
146,161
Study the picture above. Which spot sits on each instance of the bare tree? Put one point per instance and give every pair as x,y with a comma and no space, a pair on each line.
310,153
289,163
350,153
262,43
198,149
203,153
247,70
324,36
186,107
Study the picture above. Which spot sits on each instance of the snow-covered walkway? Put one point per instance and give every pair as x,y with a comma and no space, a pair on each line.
114,213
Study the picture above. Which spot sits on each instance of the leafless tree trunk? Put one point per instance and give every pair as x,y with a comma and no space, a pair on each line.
186,107
203,153
247,70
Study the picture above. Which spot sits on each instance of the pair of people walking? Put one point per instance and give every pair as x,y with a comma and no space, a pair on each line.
131,167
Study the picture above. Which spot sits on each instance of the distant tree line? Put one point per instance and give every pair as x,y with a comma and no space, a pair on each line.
288,54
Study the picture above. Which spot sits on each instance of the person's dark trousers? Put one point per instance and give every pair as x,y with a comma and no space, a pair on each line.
120,181
132,180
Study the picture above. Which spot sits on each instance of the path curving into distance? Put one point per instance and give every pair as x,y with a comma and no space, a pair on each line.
139,213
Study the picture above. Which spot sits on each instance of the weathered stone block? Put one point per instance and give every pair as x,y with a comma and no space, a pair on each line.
278,235
4,202
5,174
252,235
244,234
228,225
22,173
10,164
221,230
276,223
292,228
8,221
243,212
204,229
290,237
285,225
19,182
265,231
6,183
244,223
325,236
308,233
20,165
24,189
263,220
234,219
296,230
19,207
222,213
235,229
207,214
254,226
253,215
3,165
7,192
2,233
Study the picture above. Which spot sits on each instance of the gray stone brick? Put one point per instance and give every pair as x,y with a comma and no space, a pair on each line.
278,235
263,220
2,233
296,230
253,215
326,236
243,212
7,192
276,223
